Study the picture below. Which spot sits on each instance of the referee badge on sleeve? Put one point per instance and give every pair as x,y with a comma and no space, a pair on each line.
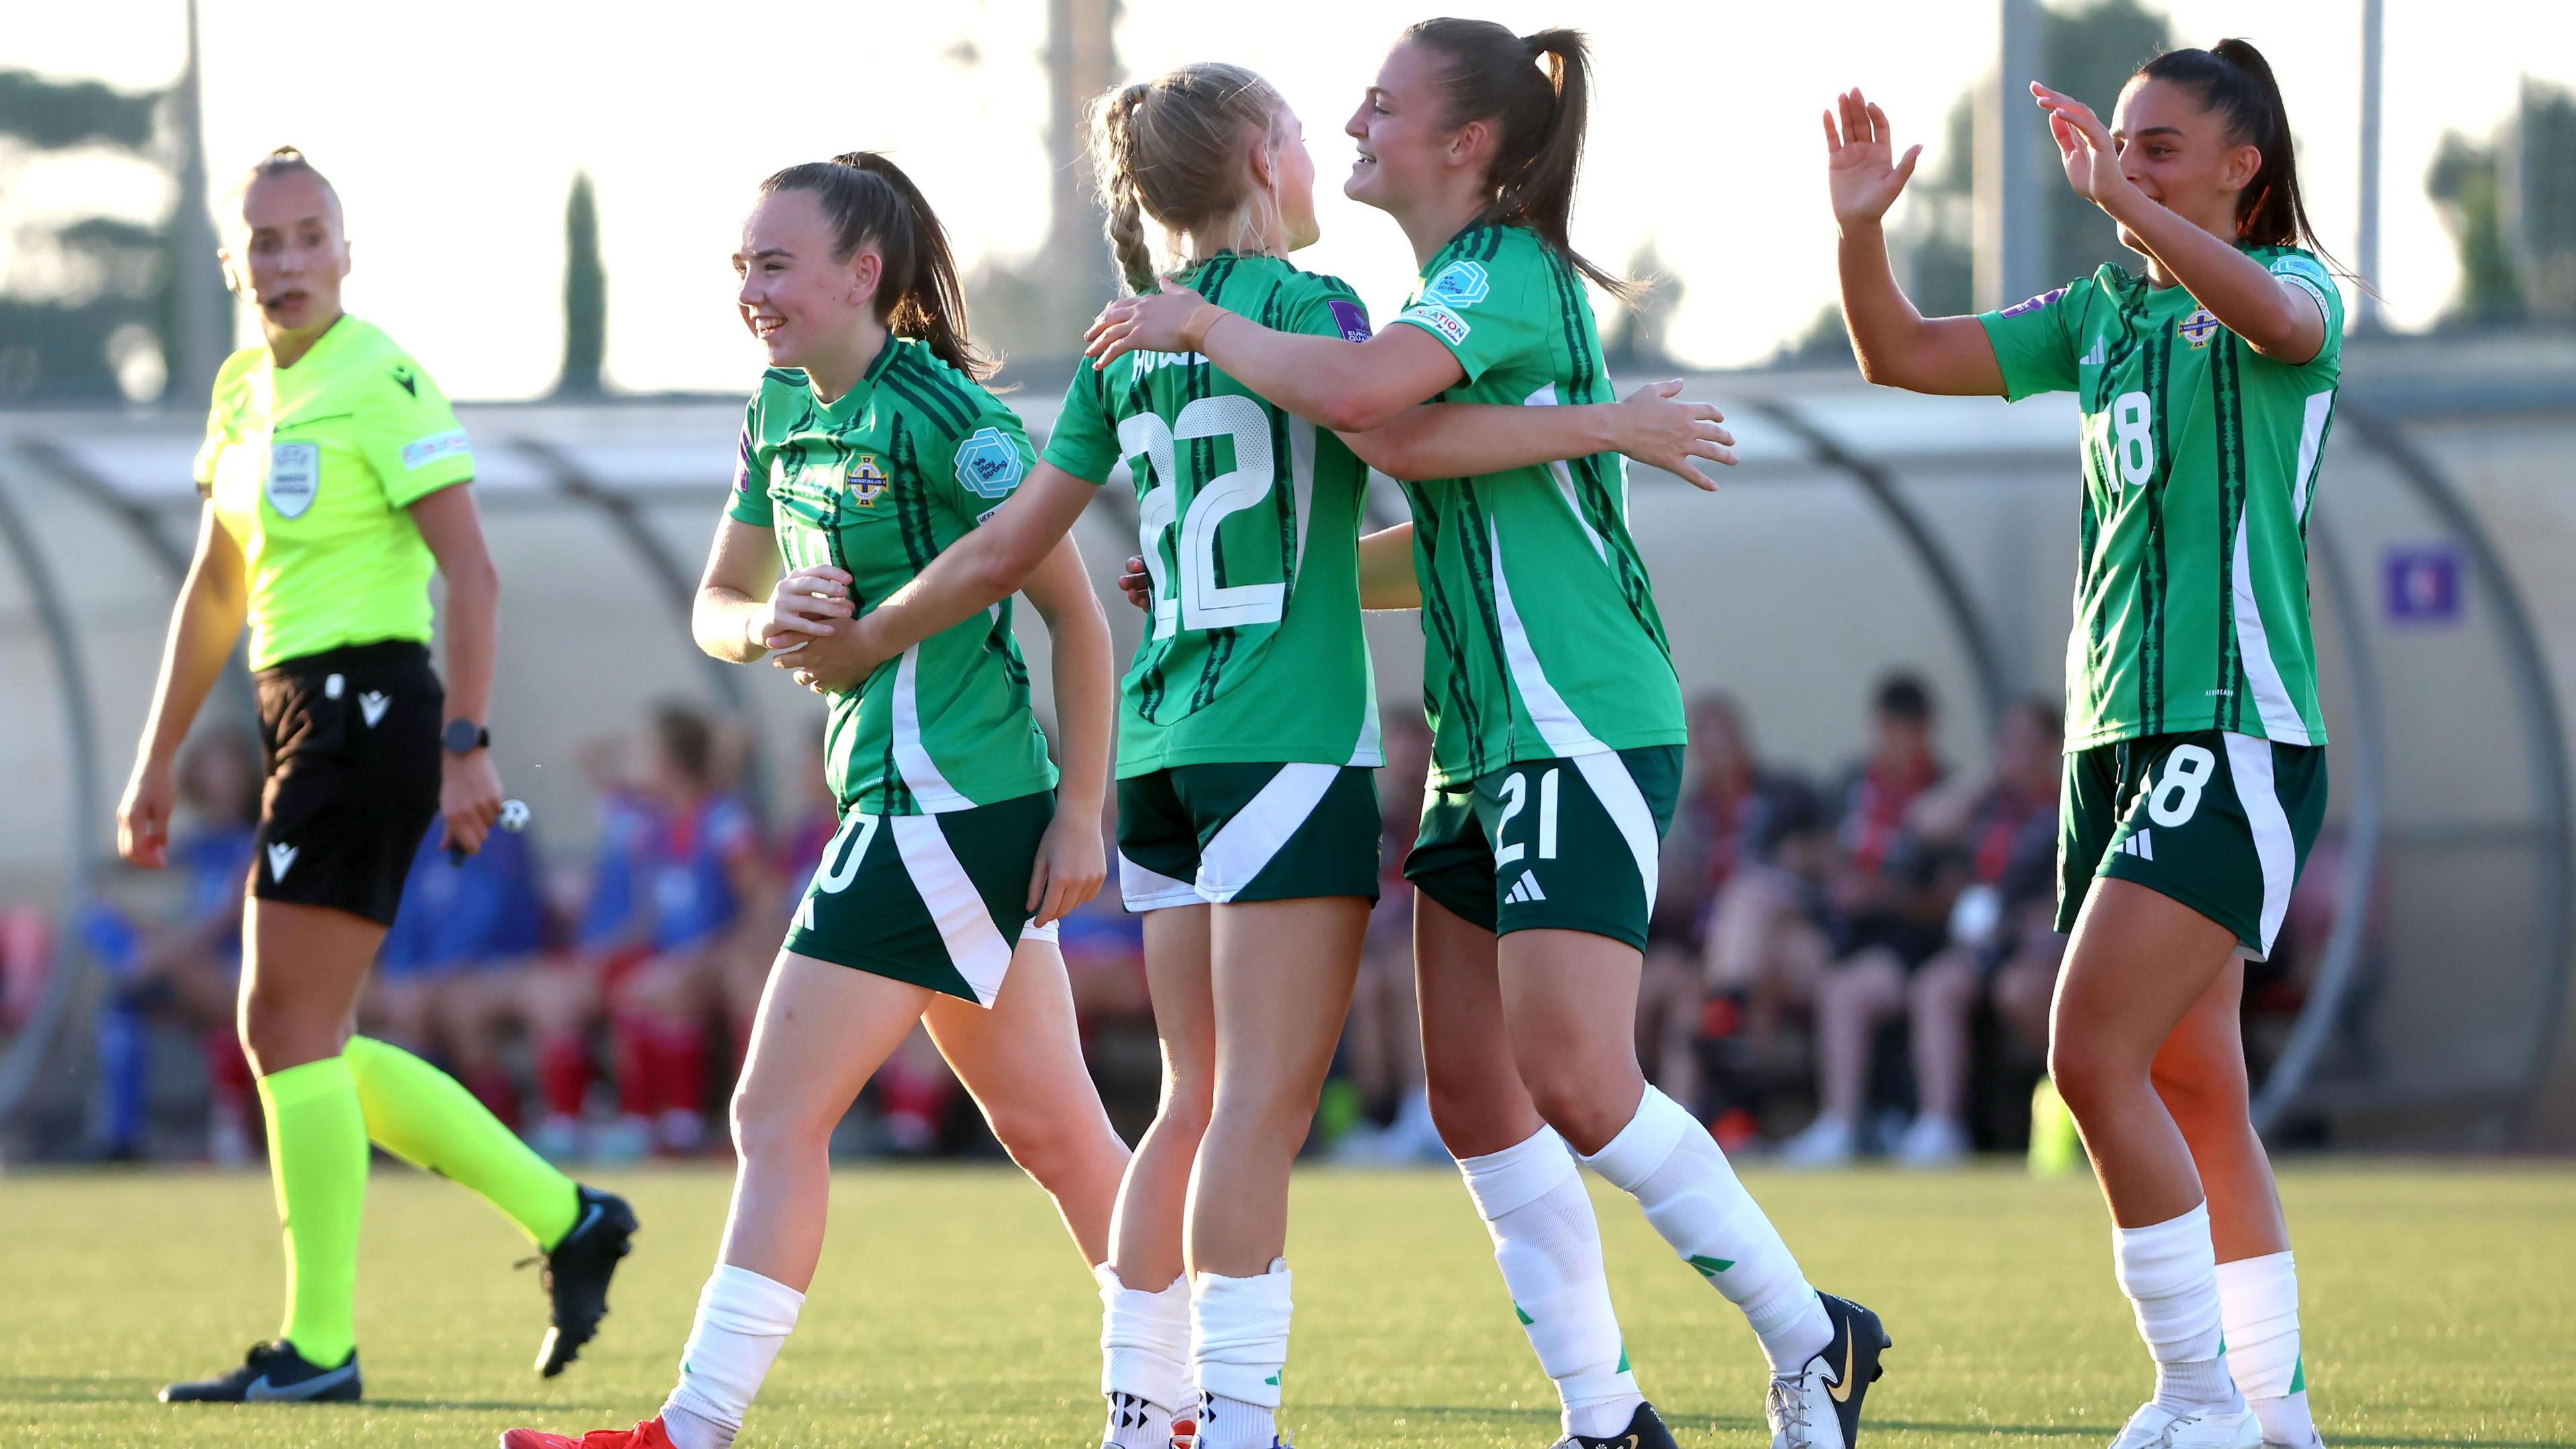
294,476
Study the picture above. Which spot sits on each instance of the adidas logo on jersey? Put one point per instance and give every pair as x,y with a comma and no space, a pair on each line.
2094,358
1525,890
2139,845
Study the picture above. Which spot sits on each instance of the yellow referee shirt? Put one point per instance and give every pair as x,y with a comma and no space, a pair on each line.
311,469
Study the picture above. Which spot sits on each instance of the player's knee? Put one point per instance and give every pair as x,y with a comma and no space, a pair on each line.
1188,1099
769,1124
1586,1108
1048,1144
2090,1073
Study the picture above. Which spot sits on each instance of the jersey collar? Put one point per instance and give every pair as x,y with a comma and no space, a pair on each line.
849,403
322,345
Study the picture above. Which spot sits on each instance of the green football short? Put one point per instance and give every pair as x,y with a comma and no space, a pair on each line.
1564,845
2220,822
937,900
1246,832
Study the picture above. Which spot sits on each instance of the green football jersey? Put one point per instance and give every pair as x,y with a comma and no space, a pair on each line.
876,483
313,470
2200,462
1249,522
1540,633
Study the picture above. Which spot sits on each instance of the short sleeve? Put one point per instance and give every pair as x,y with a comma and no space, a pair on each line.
219,417
749,501
2306,273
1486,312
408,434
1331,309
991,458
2035,342
1085,440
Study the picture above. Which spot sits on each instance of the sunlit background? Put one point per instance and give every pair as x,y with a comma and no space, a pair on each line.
455,134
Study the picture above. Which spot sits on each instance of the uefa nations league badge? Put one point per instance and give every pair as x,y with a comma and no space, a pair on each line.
294,476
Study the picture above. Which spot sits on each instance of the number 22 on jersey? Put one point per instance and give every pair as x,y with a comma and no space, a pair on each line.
1200,602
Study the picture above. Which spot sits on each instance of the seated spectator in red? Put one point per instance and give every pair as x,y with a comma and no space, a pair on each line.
1982,848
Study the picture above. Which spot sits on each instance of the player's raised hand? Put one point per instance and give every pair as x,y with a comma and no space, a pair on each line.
1137,584
1864,180
1154,322
2084,144
801,605
1660,428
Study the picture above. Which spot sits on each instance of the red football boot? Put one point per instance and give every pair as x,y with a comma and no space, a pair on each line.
648,1435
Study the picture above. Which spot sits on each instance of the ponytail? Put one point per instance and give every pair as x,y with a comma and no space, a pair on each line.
1493,75
2236,83
1172,148
868,199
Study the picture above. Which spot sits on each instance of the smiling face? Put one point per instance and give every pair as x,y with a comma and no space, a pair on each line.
287,251
795,297
2181,155
1406,146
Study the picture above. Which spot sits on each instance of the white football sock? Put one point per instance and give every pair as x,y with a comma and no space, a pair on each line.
1144,1359
1238,1349
2258,1300
743,1320
1549,1248
1677,1174
2170,1272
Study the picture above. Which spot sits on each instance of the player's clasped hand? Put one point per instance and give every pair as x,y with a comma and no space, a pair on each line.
1136,584
1661,428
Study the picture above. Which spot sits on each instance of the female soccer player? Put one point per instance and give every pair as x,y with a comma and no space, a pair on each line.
870,447
2195,768
1248,825
333,473
1558,728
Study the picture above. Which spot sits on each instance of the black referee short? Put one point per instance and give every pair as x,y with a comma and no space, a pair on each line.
350,739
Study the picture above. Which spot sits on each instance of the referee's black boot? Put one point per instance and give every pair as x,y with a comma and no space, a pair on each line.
577,1270
273,1372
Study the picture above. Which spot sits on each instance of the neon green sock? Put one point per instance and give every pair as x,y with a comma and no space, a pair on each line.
317,1155
427,1118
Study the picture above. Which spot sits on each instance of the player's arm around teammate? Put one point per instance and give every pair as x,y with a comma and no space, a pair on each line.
870,447
2207,384
335,478
1558,727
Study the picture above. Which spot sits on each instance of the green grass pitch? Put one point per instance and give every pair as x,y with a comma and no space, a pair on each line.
950,1310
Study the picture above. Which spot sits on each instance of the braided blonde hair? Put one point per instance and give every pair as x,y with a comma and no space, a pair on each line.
1168,148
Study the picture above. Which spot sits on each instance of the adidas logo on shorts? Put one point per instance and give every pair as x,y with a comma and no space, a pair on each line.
2139,845
1525,890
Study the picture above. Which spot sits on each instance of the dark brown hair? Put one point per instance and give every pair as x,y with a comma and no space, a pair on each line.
283,161
867,199
1490,74
1170,148
2235,83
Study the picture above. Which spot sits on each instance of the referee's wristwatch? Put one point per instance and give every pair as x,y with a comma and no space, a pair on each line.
464,737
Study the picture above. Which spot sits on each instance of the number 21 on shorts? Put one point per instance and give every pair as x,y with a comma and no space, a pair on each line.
1515,795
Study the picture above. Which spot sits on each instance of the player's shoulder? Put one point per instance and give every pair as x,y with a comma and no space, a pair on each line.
1465,271
232,380
951,402
1303,294
2295,264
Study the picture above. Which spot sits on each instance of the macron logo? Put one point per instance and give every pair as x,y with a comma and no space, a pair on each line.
281,859
1524,891
373,705
2139,845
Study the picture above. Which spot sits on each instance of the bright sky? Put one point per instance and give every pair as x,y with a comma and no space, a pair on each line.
453,140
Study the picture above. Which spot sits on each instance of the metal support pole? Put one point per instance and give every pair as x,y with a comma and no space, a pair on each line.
2366,246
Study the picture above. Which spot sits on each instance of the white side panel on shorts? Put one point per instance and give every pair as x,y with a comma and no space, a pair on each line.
2272,702
2249,763
975,944
1565,734
1151,890
929,787
1617,791
1246,843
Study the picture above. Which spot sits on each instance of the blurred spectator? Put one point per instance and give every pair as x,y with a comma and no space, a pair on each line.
1978,855
1382,1040
444,982
175,963
1817,901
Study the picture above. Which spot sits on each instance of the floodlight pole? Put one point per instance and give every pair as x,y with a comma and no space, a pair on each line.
2011,213
2366,248
200,330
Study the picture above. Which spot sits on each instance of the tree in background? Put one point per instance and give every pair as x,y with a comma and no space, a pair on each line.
2510,204
2463,184
585,293
85,303
1636,342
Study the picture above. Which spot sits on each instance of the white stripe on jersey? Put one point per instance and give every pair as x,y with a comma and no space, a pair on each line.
930,789
2312,436
1556,723
1564,476
2272,701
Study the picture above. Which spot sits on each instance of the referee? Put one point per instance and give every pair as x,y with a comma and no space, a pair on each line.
333,473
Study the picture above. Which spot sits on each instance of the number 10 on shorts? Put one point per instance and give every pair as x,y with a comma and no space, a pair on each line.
1515,794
